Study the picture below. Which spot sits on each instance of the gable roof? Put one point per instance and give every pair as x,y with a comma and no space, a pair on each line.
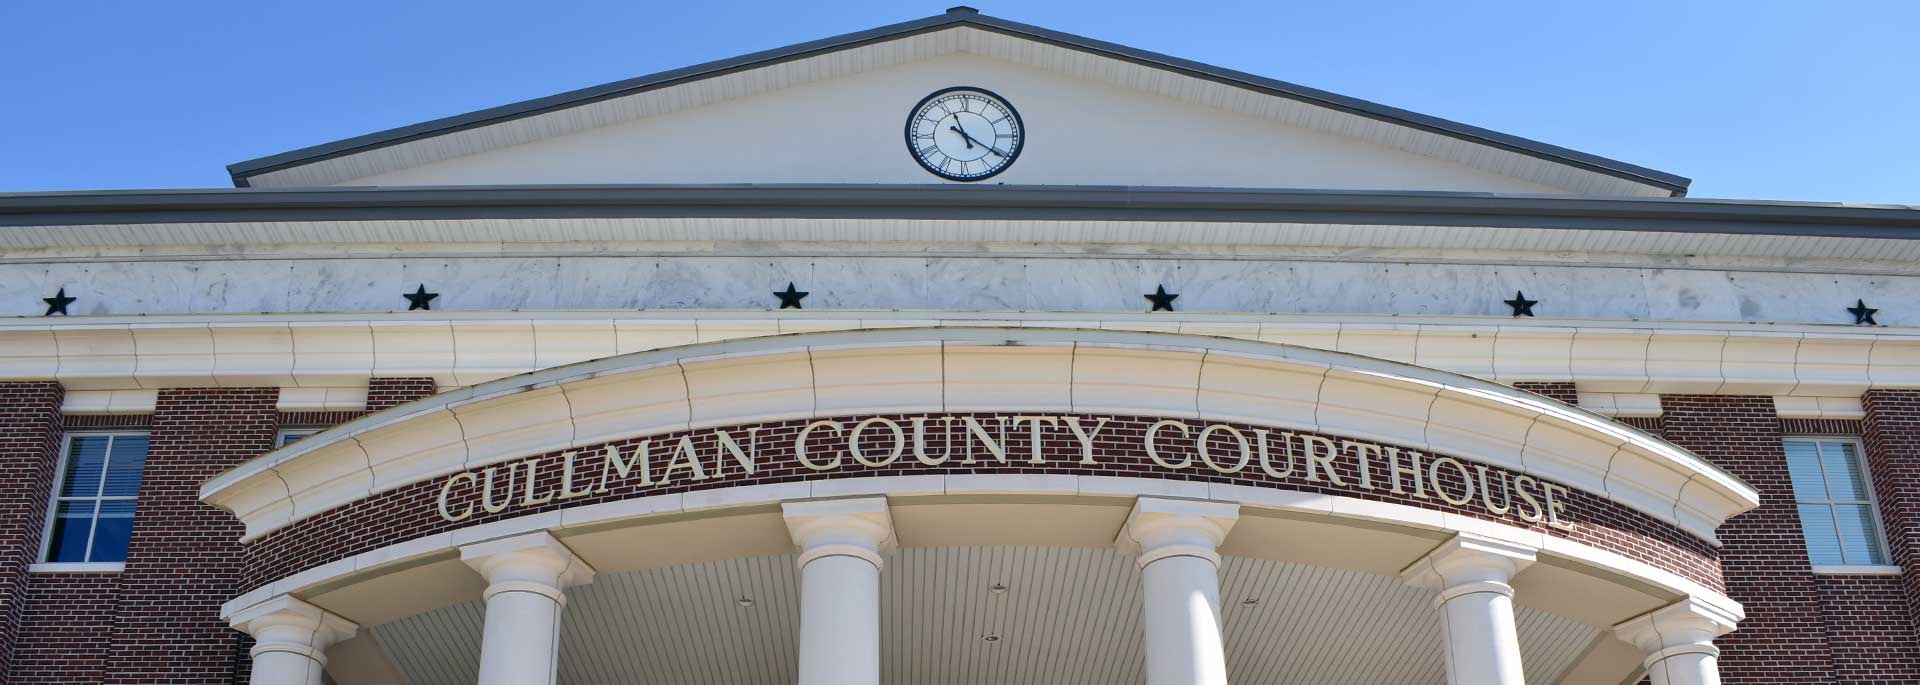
1625,178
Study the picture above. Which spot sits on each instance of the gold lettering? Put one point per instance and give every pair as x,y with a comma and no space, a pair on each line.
1246,451
1466,478
486,491
527,498
446,491
1412,469
1321,451
899,442
1555,507
691,461
997,448
800,446
1486,491
1527,500
920,441
1363,453
614,465
566,477
743,458
1033,433
1153,451
1085,437
1286,450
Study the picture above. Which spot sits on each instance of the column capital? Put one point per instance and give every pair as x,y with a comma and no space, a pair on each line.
1688,626
1160,527
532,562
1469,562
286,624
859,527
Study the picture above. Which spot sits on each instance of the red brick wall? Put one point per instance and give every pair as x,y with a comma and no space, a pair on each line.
1783,639
386,393
1559,390
30,430
1869,630
67,629
185,556
1891,432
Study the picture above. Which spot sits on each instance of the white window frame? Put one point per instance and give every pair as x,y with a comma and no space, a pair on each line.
1873,508
53,507
280,438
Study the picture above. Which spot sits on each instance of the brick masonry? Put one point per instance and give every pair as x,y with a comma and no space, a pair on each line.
1868,629
387,393
1891,433
30,435
167,625
67,632
1563,391
1784,638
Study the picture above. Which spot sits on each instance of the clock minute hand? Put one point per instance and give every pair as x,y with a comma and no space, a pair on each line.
971,140
963,135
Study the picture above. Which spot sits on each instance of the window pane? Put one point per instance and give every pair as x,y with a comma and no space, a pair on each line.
290,438
1858,534
110,535
1846,478
69,535
1803,464
1823,542
124,465
85,458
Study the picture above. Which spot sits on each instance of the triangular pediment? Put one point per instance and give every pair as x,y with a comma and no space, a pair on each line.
833,111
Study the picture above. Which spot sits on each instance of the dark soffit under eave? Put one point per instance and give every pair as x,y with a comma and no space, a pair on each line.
241,171
1017,202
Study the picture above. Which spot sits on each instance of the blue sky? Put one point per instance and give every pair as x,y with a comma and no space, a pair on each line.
1751,99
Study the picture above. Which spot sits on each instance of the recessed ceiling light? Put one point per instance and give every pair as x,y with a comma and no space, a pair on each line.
1250,601
990,637
999,588
745,601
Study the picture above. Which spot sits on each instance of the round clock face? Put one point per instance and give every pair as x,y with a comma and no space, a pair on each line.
964,134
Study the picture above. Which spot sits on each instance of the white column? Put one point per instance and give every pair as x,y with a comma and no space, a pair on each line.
527,577
1678,642
1476,606
291,638
841,542
1180,586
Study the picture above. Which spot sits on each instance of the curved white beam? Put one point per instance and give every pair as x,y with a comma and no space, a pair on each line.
964,369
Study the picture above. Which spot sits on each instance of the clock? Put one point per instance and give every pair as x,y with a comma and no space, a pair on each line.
964,134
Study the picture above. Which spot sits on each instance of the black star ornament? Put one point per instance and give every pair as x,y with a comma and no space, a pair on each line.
1521,305
1162,300
420,299
791,298
1862,314
58,303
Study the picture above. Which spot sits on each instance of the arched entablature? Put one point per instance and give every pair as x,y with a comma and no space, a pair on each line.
1194,381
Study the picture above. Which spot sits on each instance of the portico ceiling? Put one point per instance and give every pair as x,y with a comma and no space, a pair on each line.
1067,616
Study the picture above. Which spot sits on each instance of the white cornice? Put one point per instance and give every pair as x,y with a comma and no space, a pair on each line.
466,348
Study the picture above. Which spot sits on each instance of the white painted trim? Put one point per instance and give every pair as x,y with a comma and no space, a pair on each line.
1819,408
78,567
1856,570
341,351
638,510
963,369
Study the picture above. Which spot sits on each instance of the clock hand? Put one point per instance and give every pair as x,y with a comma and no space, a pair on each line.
963,135
971,140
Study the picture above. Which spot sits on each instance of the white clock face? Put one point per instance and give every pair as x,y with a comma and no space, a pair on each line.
964,134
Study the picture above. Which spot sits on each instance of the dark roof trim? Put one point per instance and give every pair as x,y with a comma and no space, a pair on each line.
957,16
1110,203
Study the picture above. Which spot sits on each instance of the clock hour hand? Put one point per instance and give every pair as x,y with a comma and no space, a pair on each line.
971,140
963,135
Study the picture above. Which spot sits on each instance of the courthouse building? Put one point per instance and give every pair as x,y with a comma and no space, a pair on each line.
956,351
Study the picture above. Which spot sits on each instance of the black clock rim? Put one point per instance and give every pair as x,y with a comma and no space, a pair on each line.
907,134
